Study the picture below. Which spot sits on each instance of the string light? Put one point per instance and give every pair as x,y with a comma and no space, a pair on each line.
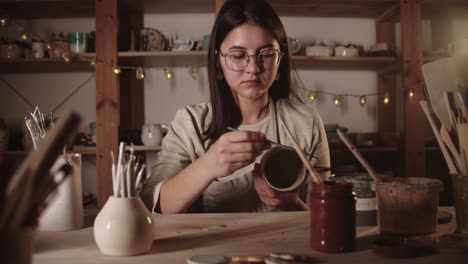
362,100
3,21
169,74
92,62
411,93
116,70
194,72
386,99
66,57
312,96
24,36
140,73
337,100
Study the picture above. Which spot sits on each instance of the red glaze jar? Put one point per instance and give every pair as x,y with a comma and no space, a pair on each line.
332,217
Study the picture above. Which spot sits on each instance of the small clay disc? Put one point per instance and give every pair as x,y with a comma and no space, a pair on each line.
207,259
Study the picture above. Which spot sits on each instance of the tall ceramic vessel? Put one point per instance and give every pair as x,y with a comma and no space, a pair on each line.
124,227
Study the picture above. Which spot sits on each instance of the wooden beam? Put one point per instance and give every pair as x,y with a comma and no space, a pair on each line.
132,113
414,119
107,95
218,5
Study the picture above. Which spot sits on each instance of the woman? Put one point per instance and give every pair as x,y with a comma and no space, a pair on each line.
203,167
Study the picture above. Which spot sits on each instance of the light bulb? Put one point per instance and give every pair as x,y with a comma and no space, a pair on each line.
337,100
66,57
116,69
411,93
362,100
169,74
24,36
49,46
140,73
312,97
194,72
92,62
386,99
3,21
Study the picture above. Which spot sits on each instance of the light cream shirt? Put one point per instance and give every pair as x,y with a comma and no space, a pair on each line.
184,144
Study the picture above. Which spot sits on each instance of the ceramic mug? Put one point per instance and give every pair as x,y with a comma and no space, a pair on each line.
38,49
78,41
206,42
294,45
181,44
152,134
282,168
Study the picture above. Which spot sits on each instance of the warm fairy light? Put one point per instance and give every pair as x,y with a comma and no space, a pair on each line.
337,100
24,36
116,69
140,73
362,100
411,93
3,21
194,72
312,97
93,62
169,74
386,98
66,57
49,46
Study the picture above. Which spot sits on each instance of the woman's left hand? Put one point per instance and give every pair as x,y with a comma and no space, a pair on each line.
288,201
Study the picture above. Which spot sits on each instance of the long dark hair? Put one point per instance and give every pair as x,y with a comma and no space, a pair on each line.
232,14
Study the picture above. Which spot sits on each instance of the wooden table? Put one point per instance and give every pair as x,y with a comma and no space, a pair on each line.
184,235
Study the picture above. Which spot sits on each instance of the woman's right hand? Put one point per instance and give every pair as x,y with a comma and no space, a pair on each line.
232,151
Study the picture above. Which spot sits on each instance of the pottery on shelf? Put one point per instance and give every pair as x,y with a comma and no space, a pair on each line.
152,134
319,50
124,227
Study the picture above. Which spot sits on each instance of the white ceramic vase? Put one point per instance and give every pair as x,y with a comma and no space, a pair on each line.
65,211
124,227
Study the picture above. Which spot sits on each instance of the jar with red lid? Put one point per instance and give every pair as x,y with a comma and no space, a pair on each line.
332,217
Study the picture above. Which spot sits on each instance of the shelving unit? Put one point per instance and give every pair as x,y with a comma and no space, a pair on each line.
23,65
118,106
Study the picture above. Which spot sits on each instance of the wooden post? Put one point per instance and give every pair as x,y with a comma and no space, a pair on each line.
132,114
414,119
218,5
107,95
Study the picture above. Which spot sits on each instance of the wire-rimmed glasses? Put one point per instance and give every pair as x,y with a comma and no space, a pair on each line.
237,60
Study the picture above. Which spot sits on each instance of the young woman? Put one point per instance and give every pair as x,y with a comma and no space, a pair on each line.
204,167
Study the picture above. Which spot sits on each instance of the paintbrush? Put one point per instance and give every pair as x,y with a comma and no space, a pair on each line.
267,140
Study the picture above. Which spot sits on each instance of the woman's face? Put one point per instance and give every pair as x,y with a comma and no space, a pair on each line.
253,82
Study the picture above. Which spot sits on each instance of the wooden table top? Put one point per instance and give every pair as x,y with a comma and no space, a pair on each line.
183,235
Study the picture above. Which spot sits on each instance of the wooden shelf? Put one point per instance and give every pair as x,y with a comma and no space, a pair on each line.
85,150
332,62
44,65
452,8
29,9
163,58
432,58
91,150
187,58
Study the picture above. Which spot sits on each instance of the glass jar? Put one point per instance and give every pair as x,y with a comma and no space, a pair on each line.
332,217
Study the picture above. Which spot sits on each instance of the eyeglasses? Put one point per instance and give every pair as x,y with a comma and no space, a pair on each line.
237,60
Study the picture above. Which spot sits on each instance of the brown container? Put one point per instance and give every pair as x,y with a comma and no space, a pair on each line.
408,206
